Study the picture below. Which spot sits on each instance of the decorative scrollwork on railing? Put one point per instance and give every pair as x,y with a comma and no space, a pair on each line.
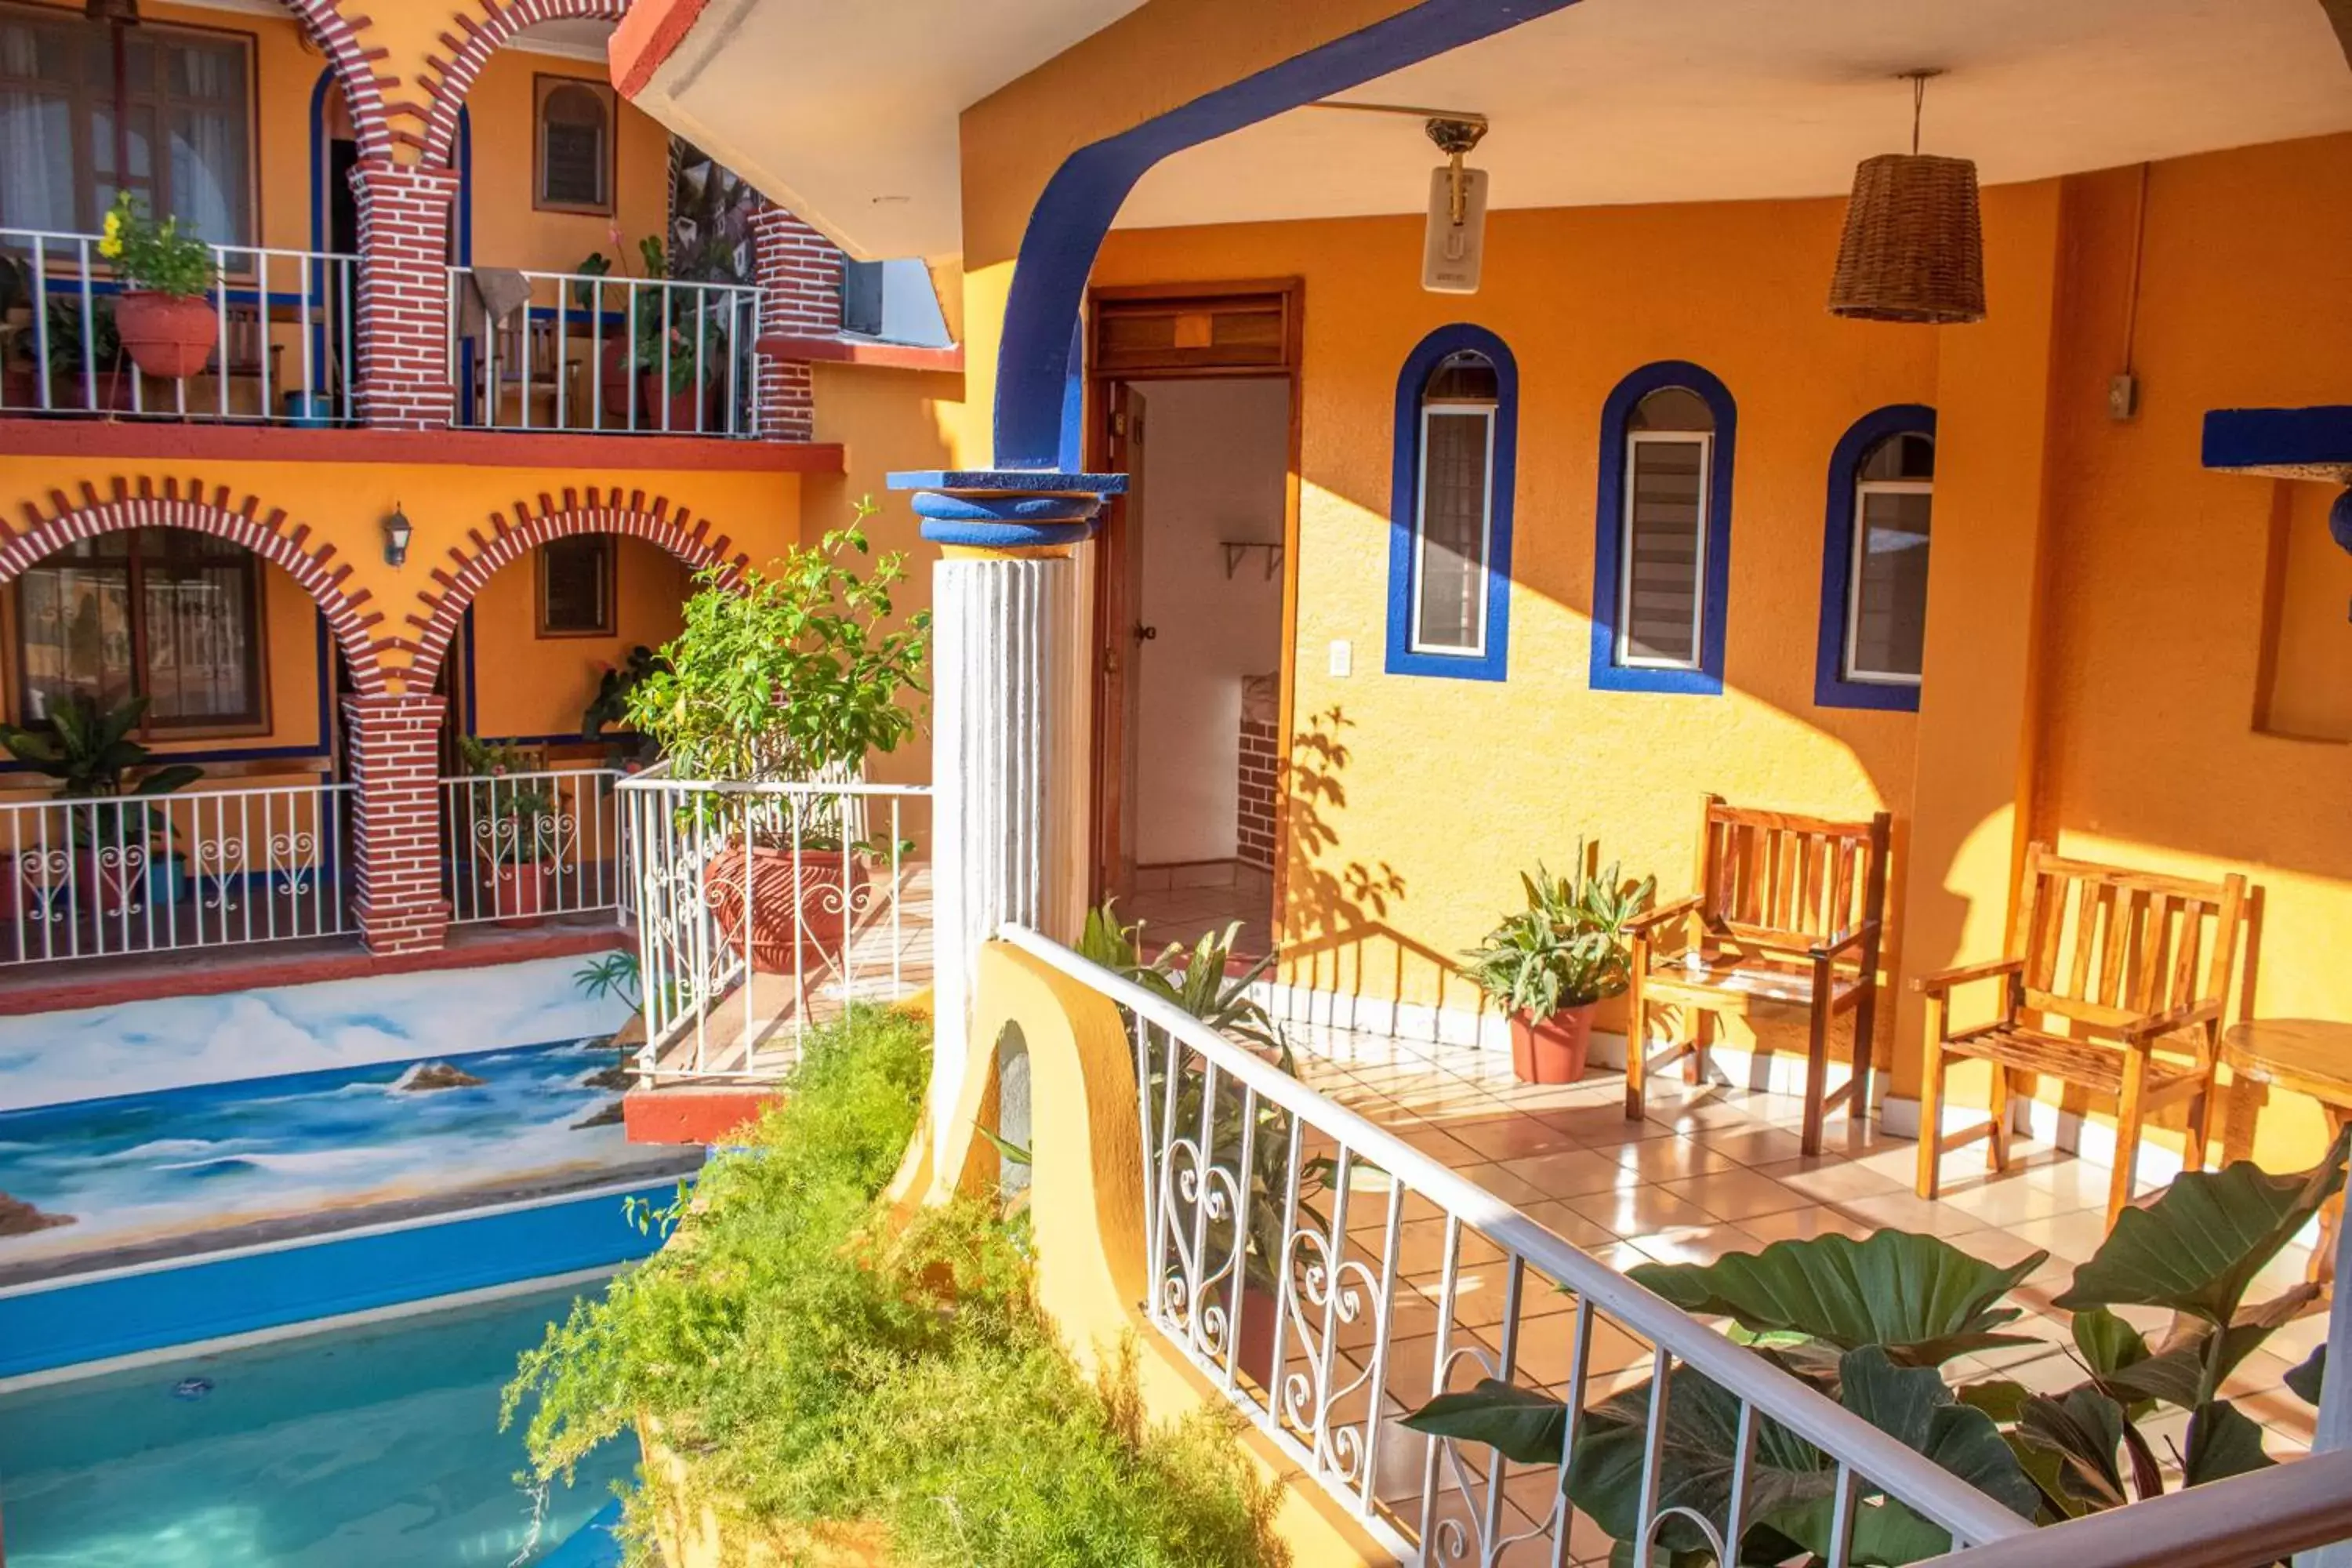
1341,1294
45,890
294,863
1192,1295
1455,1541
220,873
514,837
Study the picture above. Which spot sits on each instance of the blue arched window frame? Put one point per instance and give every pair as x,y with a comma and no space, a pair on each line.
1492,663
1608,532
1831,687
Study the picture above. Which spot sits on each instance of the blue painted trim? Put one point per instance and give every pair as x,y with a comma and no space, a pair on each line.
1039,358
1609,525
1493,664
940,506
593,1545
1831,687
1007,535
1010,481
2287,441
466,666
319,158
69,1323
465,213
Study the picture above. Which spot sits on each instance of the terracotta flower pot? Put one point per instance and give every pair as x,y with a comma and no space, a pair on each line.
165,334
522,892
801,902
1553,1049
683,407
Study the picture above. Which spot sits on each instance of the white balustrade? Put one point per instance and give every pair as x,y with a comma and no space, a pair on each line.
101,876
762,909
606,352
1286,1241
524,845
285,331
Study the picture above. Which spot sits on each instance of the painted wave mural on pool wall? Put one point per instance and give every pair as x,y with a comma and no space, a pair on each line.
164,1128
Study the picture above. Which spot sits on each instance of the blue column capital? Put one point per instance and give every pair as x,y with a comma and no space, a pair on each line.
1007,508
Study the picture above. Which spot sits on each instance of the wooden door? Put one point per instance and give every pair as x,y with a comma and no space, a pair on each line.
1119,640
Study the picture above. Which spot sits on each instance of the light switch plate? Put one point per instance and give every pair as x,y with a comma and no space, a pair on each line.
1343,658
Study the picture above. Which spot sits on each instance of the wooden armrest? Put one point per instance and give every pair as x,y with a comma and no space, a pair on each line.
1991,968
2158,1024
1640,925
1846,942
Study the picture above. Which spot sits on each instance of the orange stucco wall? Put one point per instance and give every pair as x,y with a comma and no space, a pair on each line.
525,684
2107,620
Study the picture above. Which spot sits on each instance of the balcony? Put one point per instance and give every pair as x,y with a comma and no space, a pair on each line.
284,348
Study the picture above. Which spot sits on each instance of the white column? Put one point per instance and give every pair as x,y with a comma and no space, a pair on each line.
1005,826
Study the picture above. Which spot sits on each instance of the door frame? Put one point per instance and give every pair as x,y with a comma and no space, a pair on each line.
1100,386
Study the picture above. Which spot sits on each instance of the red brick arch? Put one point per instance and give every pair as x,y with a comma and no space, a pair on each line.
689,538
451,76
338,37
145,503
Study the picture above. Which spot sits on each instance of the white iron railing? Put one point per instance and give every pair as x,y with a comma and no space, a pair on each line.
837,913
589,352
525,846
283,346
1264,1274
96,876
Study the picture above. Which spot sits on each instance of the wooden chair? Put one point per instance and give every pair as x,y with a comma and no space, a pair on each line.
1787,915
2104,988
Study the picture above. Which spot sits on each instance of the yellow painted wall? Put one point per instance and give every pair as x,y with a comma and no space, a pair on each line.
507,230
1403,854
525,684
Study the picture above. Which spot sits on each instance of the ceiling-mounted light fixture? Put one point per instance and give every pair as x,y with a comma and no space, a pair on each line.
1454,246
123,11
1913,244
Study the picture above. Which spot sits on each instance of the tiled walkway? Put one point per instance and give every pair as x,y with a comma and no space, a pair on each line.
1714,1171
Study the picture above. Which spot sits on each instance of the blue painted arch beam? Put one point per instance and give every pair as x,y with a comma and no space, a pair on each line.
1040,364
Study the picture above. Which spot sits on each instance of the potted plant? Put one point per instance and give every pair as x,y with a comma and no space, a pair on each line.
791,675
1548,965
674,382
89,750
518,833
164,315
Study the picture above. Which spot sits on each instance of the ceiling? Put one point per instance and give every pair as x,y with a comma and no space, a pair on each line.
1635,100
846,113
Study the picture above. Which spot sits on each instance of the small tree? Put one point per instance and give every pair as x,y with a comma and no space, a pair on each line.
787,673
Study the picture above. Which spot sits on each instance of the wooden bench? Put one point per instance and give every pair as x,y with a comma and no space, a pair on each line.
2112,983
1788,917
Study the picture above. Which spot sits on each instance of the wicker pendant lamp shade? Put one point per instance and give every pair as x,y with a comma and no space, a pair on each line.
1914,243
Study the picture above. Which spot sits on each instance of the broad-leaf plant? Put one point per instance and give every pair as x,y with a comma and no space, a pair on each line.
1878,1325
1570,946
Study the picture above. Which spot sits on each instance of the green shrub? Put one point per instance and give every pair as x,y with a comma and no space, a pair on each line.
817,1365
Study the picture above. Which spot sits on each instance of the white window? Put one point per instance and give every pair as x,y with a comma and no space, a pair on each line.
1886,592
1662,585
1454,506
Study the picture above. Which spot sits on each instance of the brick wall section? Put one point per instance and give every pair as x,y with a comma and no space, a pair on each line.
1261,768
355,64
798,271
395,755
449,75
403,295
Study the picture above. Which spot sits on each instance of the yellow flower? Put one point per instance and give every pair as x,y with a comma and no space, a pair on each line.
110,245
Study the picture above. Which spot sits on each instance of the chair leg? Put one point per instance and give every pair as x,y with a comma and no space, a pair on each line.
1931,1119
1696,1065
1865,1049
1817,1064
1637,1050
1997,1145
2128,1120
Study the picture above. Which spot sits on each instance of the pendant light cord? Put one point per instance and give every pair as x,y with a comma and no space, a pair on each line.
1918,102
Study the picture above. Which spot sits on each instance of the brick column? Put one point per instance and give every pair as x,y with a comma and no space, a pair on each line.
798,271
403,294
395,767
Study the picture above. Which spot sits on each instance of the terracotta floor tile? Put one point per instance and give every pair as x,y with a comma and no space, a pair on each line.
1738,1194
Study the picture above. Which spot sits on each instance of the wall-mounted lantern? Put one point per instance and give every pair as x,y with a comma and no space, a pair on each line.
397,530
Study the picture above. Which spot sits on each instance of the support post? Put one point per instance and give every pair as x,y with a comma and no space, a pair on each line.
404,375
2334,1428
1005,831
395,765
798,271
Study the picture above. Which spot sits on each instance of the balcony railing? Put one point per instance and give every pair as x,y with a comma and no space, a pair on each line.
100,877
525,846
581,351
282,352
762,909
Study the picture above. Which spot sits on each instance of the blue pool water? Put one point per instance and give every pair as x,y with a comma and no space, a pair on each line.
369,1447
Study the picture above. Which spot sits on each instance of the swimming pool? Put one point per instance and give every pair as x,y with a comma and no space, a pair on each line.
374,1447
